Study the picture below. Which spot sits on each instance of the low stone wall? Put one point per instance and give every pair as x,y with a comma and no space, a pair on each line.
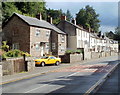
12,66
95,55
87,55
30,65
70,58
16,65
76,57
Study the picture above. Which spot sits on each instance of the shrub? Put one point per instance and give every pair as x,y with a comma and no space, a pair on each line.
79,51
74,51
4,46
14,53
69,52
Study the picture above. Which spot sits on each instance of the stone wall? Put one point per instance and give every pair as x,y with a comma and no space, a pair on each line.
17,65
87,55
30,63
76,57
70,58
13,66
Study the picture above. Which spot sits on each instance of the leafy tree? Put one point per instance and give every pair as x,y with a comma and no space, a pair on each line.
55,14
110,35
88,18
117,34
31,8
68,15
8,8
26,8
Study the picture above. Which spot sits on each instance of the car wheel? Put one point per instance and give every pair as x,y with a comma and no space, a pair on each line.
57,63
42,64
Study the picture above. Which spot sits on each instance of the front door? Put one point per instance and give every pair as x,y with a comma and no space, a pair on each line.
42,50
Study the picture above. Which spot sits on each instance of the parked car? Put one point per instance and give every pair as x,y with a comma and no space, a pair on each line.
48,60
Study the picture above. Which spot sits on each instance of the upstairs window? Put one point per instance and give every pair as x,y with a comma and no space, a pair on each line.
47,33
62,38
37,32
53,46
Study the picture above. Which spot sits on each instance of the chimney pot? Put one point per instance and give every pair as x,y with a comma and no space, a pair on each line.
39,16
63,17
49,19
74,21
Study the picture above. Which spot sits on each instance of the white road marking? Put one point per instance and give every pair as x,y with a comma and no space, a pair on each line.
36,88
73,74
49,83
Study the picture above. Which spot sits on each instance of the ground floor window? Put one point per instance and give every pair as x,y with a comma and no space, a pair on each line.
53,46
47,45
37,46
15,46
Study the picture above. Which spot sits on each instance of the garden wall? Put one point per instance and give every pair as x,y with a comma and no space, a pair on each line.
69,58
16,65
12,66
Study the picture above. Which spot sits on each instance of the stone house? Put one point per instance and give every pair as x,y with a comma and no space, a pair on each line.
77,37
34,35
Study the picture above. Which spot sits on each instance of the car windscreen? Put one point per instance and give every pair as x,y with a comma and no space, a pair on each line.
44,57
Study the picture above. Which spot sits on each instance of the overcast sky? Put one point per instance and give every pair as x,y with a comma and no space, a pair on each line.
108,11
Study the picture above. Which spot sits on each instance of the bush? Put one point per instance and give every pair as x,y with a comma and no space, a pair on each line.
74,51
69,52
79,51
14,53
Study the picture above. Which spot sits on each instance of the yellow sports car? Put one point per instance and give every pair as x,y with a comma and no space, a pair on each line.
47,60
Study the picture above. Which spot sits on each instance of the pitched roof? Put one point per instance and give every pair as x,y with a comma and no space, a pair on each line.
74,25
39,23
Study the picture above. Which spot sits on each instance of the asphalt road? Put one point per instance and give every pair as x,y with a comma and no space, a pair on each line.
74,79
112,85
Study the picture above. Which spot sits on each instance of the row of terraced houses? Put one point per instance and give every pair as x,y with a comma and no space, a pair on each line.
39,37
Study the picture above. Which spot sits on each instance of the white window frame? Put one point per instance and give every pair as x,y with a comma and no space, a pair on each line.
37,32
53,46
15,46
47,33
62,38
47,46
37,44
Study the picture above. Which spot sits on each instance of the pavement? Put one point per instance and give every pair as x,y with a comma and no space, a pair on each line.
79,77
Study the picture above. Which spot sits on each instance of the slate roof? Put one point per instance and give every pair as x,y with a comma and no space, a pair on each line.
75,25
39,23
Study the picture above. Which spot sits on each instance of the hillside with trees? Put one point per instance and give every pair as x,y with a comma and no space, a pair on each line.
31,9
88,18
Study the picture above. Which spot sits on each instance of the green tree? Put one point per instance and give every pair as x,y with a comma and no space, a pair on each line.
55,14
117,34
31,8
88,18
68,15
8,8
26,8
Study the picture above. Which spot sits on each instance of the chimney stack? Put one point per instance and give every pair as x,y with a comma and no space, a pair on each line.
49,19
63,17
39,16
74,21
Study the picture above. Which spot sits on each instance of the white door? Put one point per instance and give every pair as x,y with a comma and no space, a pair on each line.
42,51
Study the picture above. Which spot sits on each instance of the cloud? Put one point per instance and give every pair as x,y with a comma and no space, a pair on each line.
107,28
